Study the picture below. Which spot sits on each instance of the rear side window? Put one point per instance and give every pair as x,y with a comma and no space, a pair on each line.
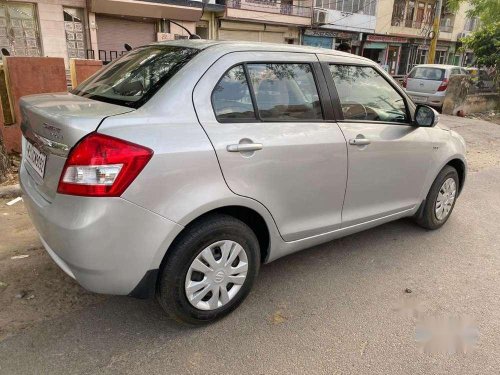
285,92
231,97
136,76
433,74
366,96
280,92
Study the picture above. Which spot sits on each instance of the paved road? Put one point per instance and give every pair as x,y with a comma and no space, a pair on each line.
338,308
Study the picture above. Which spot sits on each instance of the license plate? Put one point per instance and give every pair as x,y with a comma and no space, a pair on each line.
419,99
36,159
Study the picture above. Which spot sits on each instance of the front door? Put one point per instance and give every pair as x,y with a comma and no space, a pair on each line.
264,117
388,157
392,59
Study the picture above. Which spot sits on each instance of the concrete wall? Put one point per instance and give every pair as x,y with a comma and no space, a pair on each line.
26,76
83,69
481,103
458,98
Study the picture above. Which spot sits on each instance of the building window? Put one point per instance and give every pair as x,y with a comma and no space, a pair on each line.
74,25
421,57
19,32
440,57
348,6
470,24
398,13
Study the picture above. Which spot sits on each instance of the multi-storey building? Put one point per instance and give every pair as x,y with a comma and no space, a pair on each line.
396,33
37,27
112,23
338,21
278,21
404,30
99,28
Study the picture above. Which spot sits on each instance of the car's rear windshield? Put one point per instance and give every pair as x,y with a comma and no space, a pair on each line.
434,74
133,78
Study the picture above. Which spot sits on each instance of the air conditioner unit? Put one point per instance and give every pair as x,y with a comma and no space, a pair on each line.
320,16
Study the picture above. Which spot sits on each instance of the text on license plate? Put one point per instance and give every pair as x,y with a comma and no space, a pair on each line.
36,159
419,99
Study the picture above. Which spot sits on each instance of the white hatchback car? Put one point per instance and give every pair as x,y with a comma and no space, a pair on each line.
182,166
427,83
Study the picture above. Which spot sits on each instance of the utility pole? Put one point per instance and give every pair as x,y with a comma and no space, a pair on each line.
435,32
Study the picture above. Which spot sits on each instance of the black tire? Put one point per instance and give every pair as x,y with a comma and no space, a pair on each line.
171,282
426,217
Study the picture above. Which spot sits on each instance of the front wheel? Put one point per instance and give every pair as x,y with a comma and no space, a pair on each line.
209,271
440,200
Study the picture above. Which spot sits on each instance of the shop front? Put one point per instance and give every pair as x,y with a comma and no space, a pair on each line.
331,39
386,50
257,32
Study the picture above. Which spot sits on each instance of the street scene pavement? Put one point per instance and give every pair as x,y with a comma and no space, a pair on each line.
371,303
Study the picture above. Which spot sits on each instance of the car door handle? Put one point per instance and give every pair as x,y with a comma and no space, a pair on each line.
359,141
244,147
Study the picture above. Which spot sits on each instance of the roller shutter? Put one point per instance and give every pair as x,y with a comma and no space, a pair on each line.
113,33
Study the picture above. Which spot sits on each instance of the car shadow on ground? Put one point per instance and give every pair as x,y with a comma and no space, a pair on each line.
119,315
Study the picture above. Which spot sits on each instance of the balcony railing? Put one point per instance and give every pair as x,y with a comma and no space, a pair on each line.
414,24
270,6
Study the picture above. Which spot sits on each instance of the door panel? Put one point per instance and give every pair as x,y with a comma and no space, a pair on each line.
385,176
299,170
388,158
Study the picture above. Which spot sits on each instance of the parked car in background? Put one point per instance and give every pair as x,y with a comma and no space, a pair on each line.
427,83
182,166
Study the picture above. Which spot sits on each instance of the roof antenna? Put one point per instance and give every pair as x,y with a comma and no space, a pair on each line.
128,47
5,52
191,35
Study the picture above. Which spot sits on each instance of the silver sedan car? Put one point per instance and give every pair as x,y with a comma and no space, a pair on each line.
181,167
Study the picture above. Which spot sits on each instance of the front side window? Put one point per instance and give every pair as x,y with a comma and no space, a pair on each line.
285,92
366,96
231,97
136,76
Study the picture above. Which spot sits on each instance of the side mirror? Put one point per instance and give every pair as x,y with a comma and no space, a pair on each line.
425,116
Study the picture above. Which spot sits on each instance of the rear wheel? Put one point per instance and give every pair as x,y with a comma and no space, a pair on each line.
209,271
440,200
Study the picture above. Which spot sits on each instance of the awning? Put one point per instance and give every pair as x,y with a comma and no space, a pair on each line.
145,9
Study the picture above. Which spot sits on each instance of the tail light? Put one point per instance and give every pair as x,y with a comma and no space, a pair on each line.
444,85
405,81
102,166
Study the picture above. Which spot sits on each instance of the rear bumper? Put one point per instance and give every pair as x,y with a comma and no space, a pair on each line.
107,244
435,100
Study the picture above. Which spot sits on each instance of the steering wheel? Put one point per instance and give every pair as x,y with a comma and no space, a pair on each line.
354,111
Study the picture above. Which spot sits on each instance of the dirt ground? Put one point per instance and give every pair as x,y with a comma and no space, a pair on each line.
33,288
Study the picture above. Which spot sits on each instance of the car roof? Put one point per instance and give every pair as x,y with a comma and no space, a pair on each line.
234,46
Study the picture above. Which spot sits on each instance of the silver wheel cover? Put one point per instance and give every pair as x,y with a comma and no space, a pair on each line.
216,275
445,199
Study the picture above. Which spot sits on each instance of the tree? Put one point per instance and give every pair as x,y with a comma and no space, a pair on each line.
485,42
488,11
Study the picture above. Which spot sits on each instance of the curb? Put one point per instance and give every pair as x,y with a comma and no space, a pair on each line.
10,191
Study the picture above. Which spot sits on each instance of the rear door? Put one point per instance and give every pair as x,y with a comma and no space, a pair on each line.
388,157
425,79
274,135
